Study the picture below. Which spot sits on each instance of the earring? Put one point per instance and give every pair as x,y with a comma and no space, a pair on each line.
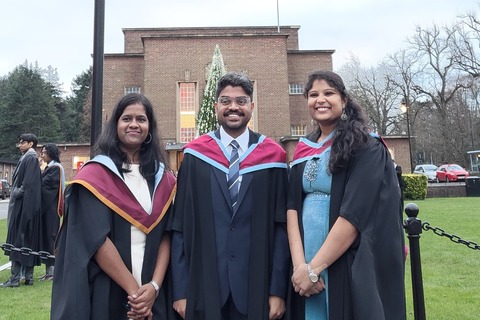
344,116
149,140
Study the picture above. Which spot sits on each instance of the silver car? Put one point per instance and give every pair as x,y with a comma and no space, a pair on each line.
4,189
429,170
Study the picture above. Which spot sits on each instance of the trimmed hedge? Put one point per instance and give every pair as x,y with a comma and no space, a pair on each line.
415,186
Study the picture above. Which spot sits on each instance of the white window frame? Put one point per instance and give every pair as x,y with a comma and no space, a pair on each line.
128,90
295,88
298,130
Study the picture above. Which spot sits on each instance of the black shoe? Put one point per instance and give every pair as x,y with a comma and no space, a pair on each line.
10,284
47,277
29,282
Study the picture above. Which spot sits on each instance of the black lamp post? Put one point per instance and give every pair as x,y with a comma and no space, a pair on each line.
406,108
97,74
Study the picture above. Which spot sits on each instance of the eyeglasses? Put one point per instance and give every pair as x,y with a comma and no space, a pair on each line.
239,101
21,142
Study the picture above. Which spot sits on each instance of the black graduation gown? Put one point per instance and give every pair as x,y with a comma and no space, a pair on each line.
193,216
367,281
24,220
81,290
51,184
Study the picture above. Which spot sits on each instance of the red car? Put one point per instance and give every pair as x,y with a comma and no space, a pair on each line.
451,172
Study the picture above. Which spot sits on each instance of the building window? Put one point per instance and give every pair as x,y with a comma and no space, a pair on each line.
187,92
298,130
187,134
132,90
295,88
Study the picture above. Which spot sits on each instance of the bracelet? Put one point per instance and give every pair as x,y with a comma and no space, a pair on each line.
156,287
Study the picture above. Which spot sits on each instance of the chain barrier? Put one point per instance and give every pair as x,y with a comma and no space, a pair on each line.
44,255
454,238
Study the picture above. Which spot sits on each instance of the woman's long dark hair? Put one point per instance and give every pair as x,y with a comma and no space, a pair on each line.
52,151
351,134
151,153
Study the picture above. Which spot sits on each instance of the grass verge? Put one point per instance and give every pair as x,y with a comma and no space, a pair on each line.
450,271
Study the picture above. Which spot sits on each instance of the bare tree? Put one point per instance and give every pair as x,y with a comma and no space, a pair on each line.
437,76
404,70
375,93
466,44
441,78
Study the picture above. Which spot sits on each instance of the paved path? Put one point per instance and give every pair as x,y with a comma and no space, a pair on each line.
4,203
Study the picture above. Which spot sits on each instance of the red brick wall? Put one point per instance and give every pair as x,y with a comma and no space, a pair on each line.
67,156
263,58
300,64
157,59
399,150
133,36
120,71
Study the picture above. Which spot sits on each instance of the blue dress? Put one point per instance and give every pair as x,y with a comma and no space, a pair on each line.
317,182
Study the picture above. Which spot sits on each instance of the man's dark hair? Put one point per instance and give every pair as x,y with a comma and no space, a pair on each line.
29,137
235,79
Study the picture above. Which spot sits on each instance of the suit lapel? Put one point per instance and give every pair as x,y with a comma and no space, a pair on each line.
222,181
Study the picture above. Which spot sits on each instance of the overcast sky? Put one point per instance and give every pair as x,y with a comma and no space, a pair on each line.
59,33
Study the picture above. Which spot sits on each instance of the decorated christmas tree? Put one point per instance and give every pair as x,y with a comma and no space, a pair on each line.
207,121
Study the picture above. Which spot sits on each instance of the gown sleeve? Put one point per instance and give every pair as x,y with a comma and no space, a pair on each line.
365,185
85,228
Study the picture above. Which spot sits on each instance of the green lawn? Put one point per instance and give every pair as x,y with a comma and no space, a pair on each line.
450,271
24,302
451,277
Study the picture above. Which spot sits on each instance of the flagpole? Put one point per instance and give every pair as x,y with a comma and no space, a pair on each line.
278,18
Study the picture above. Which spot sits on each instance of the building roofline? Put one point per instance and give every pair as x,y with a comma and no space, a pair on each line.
331,51
9,161
82,144
125,55
213,35
290,138
210,28
295,138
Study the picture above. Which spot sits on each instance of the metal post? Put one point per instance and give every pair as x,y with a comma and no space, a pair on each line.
413,226
405,107
278,18
409,139
97,75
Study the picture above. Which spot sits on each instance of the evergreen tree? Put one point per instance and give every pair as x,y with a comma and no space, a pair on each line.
207,121
64,113
77,105
26,105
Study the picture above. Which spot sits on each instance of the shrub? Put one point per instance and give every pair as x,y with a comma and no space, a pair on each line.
415,186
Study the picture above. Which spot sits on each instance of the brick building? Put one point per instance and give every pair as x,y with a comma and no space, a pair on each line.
170,66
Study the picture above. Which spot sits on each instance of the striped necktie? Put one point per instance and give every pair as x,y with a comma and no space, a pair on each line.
233,173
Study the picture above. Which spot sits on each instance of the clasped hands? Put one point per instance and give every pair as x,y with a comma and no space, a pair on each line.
141,302
302,283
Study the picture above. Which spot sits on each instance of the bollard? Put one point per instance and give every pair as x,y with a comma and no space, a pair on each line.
413,227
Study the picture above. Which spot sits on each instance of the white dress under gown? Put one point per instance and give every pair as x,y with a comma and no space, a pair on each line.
317,182
139,187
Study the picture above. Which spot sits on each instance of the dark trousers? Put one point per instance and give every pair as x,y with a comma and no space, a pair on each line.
17,269
230,312
49,270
